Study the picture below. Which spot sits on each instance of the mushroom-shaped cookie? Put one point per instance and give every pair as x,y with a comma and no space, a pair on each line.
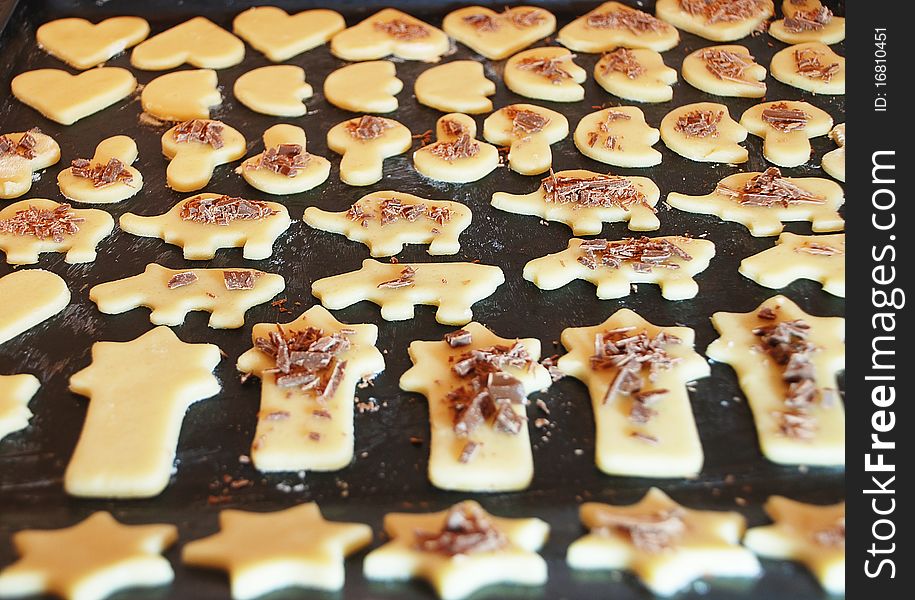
31,227
66,98
457,86
182,95
84,45
276,90
638,74
105,178
807,21
618,136
284,167
456,156
196,148
528,130
613,24
366,87
812,67
364,143
21,155
834,160
716,20
545,74
704,132
725,71
390,31
198,42
280,36
498,35
786,127
30,297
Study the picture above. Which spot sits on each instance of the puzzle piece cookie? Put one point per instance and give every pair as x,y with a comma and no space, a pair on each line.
367,87
704,132
812,67
725,71
834,160
84,45
585,200
30,297
529,131
390,32
105,178
66,98
618,136
786,126
195,148
636,74
545,74
385,221
364,143
21,155
276,90
716,20
457,86
460,550
817,257
786,362
266,552
172,293
807,21
613,266
15,393
309,370
664,544
456,156
198,42
31,227
613,24
204,223
284,167
280,36
182,95
498,35
398,288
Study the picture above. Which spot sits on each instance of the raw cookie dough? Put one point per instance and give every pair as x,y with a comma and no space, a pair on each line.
786,126
172,293
457,86
817,257
426,546
385,221
612,25
182,95
31,227
528,130
545,74
786,362
638,74
618,136
195,148
22,155
809,533
390,32
456,156
764,201
613,266
84,45
30,297
280,36
364,143
498,35
204,223
807,21
585,200
91,560
198,42
285,167
266,552
306,423
15,393
725,71
716,20
66,98
366,87
398,288
666,545
276,90
704,132
834,160
105,178
812,67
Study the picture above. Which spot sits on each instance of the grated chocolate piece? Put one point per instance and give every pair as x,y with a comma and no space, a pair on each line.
809,65
466,530
468,452
785,119
723,11
526,122
42,223
550,68
402,30
767,314
285,159
818,249
181,279
769,189
453,128
406,279
643,254
502,386
808,20
239,280
368,127
114,171
599,191
463,147
506,419
700,123
201,131
523,19
307,359
223,210
631,352
459,338
636,21
482,23
653,533
729,66
622,60
24,148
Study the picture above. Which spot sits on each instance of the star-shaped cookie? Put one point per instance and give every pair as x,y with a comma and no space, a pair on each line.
15,393
817,257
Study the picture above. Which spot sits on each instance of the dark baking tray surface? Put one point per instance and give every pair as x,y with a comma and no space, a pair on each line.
392,476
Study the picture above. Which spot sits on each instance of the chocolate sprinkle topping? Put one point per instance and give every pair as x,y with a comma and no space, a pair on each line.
600,191
652,533
405,280
222,210
634,20
467,453
808,20
785,119
459,338
526,122
463,147
723,11
550,68
630,353
368,127
769,189
101,175
392,210
700,123
622,60
729,66
239,280
467,530
809,65
308,359
42,223
524,18
403,30
285,159
482,23
25,147
181,279
201,131
644,254
818,249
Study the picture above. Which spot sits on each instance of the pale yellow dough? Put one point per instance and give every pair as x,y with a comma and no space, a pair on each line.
452,287
265,552
30,297
832,32
585,220
15,393
182,95
834,160
84,45
79,246
652,84
16,171
276,90
761,381
81,189
138,393
817,257
457,86
456,577
448,130
192,162
363,224
200,241
365,87
170,306
618,136
314,173
531,84
369,40
812,534
786,67
91,560
363,159
717,31
499,34
724,147
529,153
287,416
280,36
709,544
197,41
553,271
66,98
749,84
588,33
792,148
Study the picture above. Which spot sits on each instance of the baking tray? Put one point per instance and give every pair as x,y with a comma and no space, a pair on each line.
389,471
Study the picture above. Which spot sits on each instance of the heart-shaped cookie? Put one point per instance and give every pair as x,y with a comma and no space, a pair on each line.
390,31
280,36
182,95
83,45
498,35
68,98
198,42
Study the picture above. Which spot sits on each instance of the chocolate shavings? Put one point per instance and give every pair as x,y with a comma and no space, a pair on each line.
643,254
769,189
307,360
603,191
222,210
285,159
114,171
42,223
402,30
729,66
525,122
201,131
239,280
466,530
809,65
24,148
700,123
622,60
368,127
808,20
406,279
652,533
636,21
723,11
458,338
785,119
181,279
550,68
